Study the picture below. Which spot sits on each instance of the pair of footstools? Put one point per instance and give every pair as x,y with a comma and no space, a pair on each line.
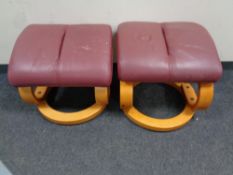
177,54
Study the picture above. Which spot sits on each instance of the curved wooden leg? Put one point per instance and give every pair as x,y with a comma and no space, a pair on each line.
189,94
193,102
205,95
38,97
33,96
126,95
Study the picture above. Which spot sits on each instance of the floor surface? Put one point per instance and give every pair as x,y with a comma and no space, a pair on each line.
111,144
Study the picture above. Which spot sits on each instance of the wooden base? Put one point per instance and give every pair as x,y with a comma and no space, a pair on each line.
37,96
193,102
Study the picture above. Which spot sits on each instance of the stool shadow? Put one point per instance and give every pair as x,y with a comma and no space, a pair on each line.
158,100
71,99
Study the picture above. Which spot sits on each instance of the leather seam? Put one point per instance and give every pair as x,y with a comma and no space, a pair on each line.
61,45
168,51
57,72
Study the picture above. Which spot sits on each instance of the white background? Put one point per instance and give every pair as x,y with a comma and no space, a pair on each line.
215,15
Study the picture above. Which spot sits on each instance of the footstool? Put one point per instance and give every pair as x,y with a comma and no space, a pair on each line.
46,56
175,53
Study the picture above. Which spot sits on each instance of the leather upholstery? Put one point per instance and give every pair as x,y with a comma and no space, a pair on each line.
62,55
166,52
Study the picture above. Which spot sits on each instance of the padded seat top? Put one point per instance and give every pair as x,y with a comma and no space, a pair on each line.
62,55
165,52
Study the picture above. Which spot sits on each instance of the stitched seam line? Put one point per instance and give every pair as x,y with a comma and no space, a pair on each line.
59,55
168,51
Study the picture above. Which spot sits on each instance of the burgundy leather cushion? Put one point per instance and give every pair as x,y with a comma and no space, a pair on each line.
62,55
155,52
